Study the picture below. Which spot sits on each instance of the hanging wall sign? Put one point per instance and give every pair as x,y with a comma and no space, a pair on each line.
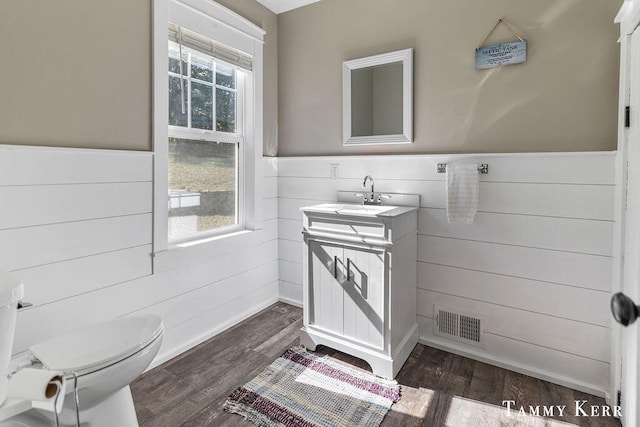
501,54
495,55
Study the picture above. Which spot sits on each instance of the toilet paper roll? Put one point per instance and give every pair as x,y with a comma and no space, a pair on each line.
37,385
50,405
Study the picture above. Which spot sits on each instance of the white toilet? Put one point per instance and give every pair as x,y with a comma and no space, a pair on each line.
106,357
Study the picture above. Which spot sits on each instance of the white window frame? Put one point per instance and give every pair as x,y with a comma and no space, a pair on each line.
215,22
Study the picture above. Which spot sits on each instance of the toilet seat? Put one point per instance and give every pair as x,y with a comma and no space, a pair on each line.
92,348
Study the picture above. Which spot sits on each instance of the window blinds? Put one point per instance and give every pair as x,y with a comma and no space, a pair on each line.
193,40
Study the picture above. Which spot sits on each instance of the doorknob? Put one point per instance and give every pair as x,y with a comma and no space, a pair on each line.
624,310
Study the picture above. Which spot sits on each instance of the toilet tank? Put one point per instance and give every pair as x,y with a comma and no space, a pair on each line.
11,290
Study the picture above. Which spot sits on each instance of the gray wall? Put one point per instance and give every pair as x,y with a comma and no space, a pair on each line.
564,98
78,73
267,20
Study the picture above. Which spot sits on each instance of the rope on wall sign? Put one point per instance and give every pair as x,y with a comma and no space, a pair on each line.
501,21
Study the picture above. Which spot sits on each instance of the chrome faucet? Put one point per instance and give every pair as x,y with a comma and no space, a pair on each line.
371,198
364,183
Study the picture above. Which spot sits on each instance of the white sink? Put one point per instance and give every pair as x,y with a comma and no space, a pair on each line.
358,209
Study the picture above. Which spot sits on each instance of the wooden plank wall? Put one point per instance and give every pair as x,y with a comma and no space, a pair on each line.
76,227
536,263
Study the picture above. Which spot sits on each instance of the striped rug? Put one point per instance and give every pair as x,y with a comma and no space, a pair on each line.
301,389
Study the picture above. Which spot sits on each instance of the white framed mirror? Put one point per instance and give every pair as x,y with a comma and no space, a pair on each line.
377,99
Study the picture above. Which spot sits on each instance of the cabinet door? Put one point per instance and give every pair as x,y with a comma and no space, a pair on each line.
347,292
326,274
364,296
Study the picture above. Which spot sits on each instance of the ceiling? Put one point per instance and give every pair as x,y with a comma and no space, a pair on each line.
279,6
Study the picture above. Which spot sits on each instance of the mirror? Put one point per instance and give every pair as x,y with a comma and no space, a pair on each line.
377,98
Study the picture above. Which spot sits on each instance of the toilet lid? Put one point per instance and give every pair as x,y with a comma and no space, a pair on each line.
98,345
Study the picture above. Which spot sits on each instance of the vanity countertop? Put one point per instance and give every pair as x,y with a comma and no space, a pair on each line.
353,209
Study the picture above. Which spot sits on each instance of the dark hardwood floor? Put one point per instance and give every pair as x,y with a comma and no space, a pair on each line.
438,388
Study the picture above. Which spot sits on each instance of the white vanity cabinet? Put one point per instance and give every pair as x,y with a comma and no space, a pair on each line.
359,284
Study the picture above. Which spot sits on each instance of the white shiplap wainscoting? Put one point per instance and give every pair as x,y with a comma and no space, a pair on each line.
76,227
536,264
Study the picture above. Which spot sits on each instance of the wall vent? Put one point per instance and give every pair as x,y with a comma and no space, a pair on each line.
457,325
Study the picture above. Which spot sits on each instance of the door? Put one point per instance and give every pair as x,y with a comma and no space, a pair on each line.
347,292
364,296
326,275
630,385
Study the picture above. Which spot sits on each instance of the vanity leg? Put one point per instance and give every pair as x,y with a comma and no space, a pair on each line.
306,341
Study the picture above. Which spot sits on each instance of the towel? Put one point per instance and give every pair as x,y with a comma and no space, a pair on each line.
462,192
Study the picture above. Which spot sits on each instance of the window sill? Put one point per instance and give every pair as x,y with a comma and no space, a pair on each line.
206,237
183,253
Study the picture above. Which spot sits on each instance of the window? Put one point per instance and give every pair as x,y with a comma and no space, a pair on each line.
206,83
207,131
205,143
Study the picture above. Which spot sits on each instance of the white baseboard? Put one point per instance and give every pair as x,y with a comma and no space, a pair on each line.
290,301
171,353
536,373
